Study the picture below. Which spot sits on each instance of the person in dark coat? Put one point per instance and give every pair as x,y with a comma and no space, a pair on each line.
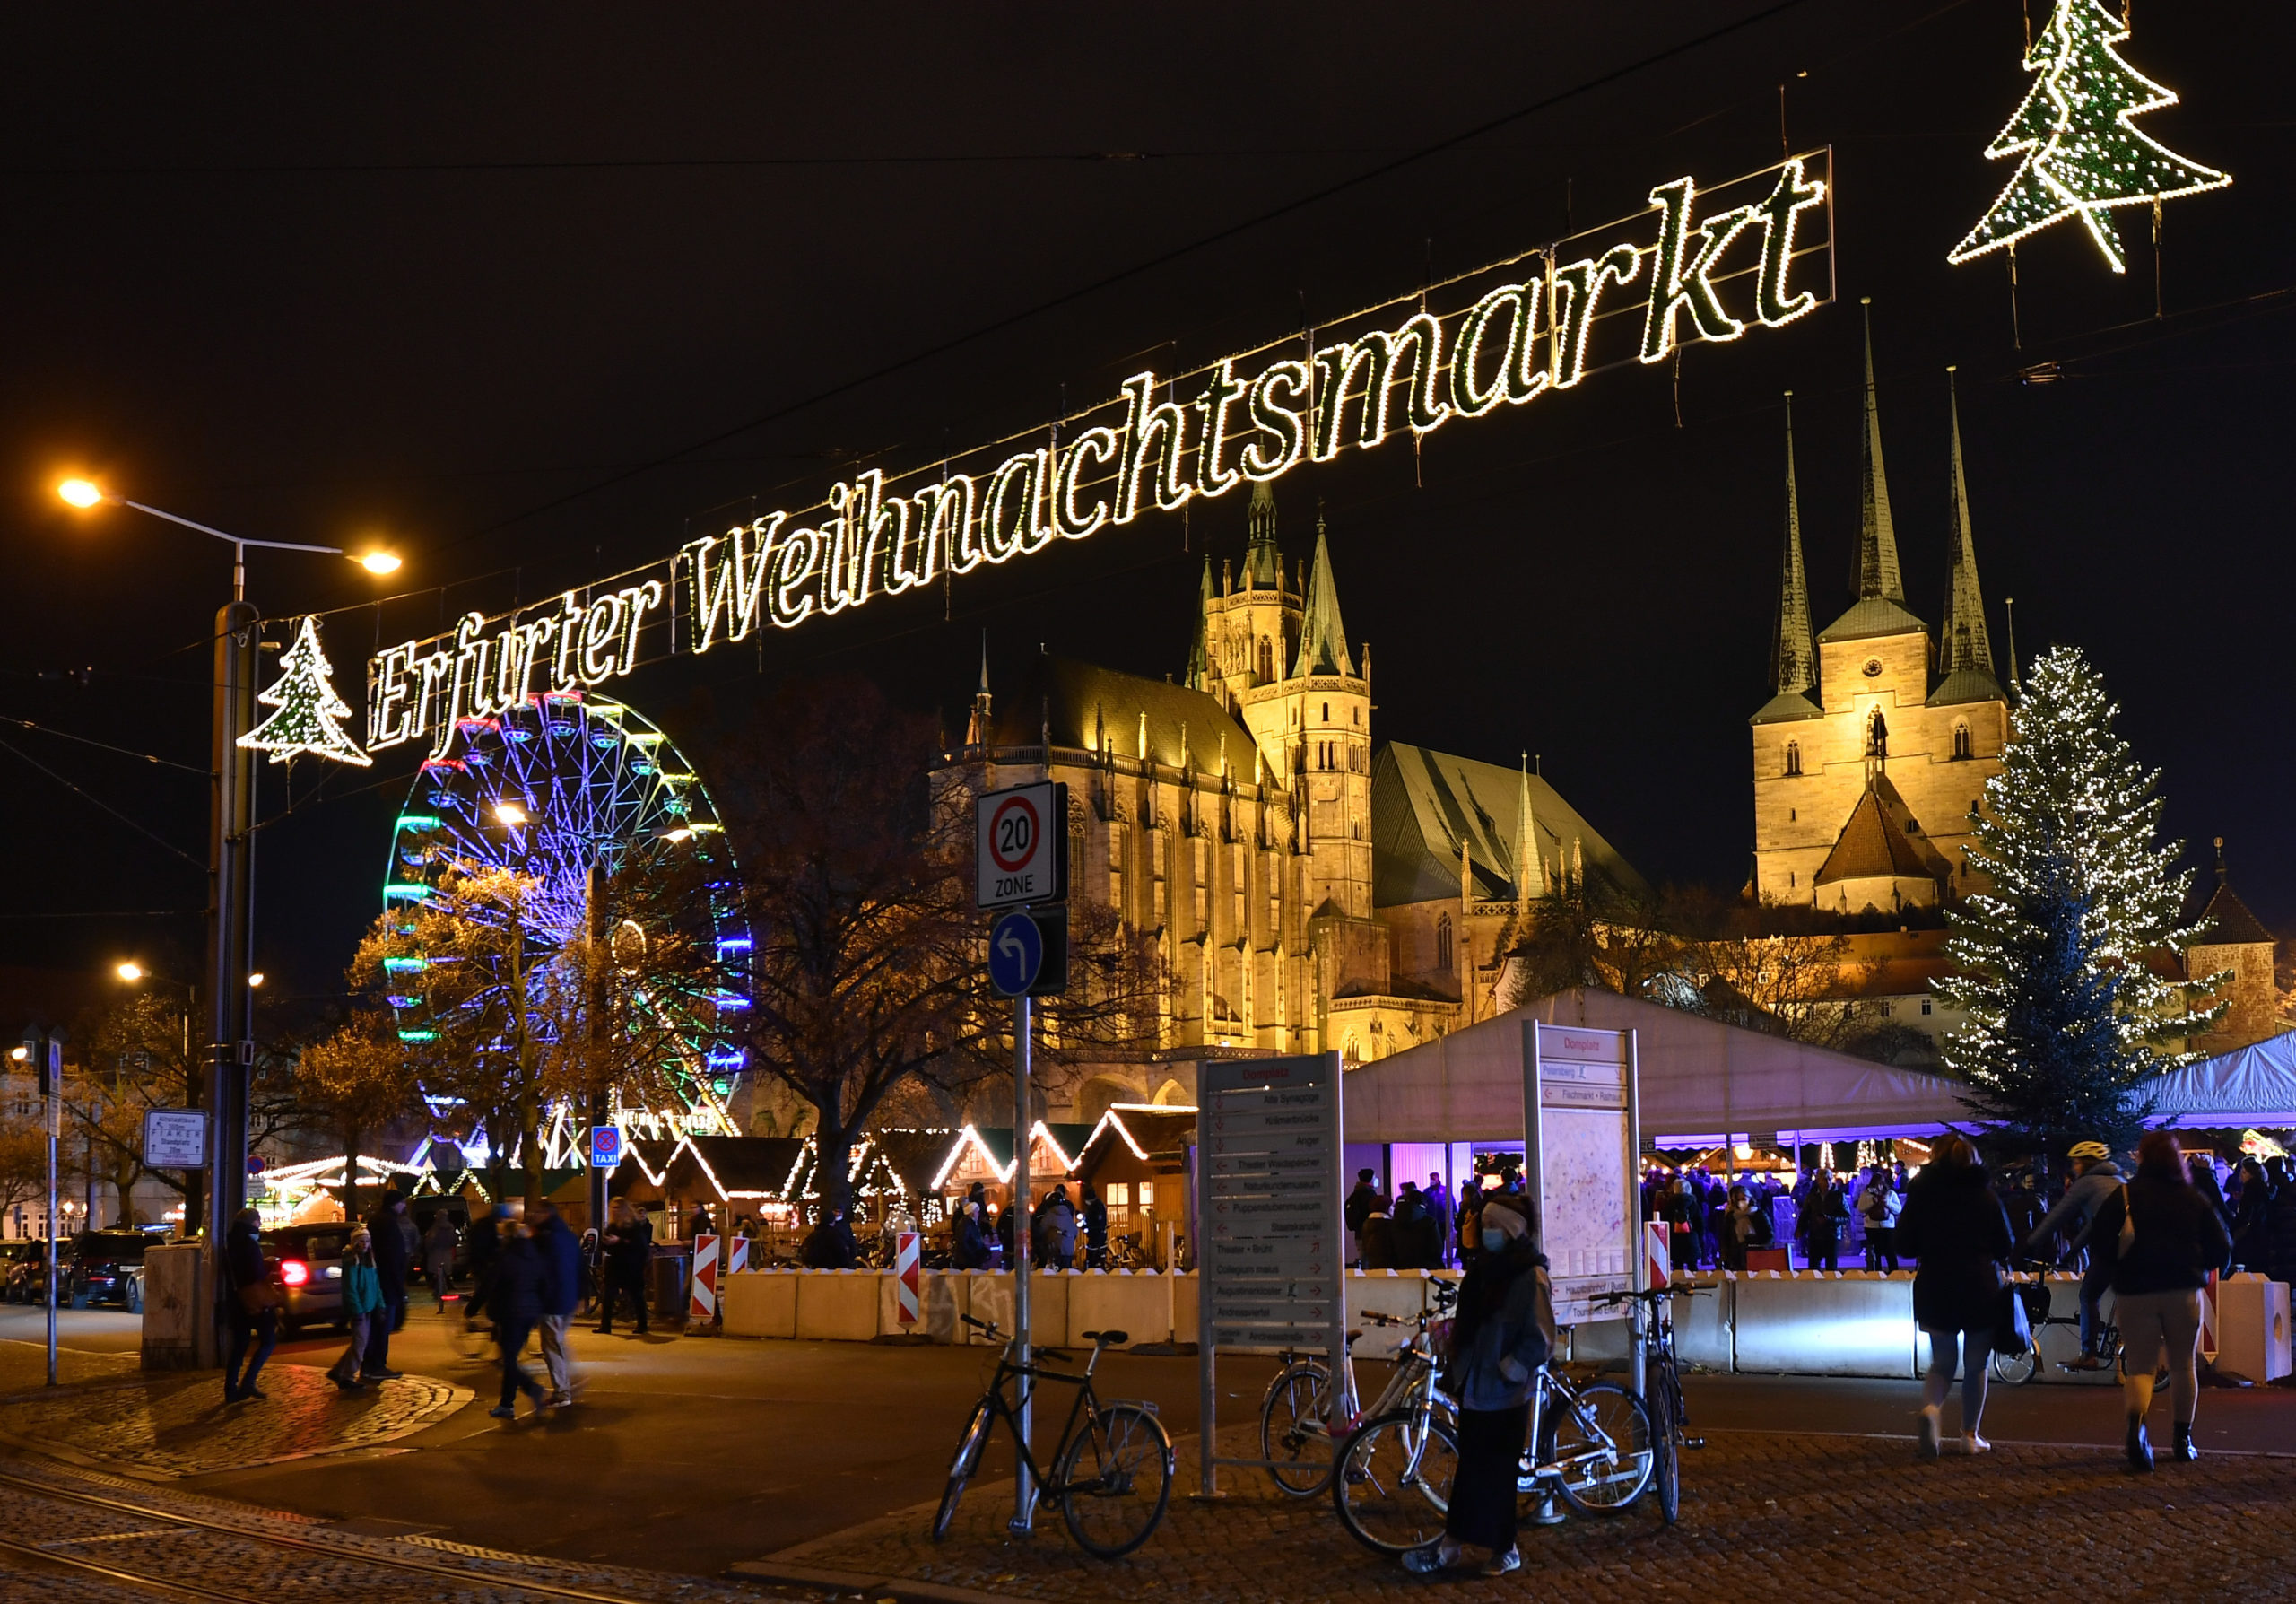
560,1257
390,1270
1095,1218
254,1306
517,1304
2280,1224
830,1245
1362,1204
968,1243
2179,1237
1439,1209
1819,1224
2251,1238
1499,1341
1955,1227
628,1247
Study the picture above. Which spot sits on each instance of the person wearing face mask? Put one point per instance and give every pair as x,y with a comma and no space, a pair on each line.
1501,1337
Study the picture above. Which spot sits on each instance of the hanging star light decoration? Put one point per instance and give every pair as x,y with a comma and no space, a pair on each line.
2083,152
307,708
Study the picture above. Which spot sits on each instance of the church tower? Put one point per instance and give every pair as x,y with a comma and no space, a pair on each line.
1866,770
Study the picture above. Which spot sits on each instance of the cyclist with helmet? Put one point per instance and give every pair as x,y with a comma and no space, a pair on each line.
2095,1178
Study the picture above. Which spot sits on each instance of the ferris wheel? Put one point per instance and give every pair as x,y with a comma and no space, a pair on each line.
550,787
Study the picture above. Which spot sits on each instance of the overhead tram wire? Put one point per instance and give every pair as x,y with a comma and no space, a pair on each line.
65,734
1162,259
88,796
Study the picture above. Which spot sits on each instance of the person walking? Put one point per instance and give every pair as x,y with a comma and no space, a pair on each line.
362,1304
2158,1238
1060,1231
255,1300
1500,1338
1956,1231
1737,1229
1879,1204
968,1243
2095,1178
439,1257
1362,1203
830,1245
629,1244
1439,1209
559,1256
1094,1219
517,1305
485,1246
2251,1243
2280,1223
1820,1225
390,1249
698,1224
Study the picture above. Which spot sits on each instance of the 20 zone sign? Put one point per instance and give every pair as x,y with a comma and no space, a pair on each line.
1023,841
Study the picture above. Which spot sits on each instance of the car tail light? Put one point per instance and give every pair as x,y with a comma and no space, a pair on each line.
294,1271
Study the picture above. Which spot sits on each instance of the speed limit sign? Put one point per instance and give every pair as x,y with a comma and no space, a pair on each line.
1024,846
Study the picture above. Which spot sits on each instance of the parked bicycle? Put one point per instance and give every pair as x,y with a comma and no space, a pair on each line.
1111,1470
1298,1434
2015,1369
1652,1312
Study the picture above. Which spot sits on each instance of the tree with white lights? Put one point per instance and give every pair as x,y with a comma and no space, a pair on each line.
2057,961
2082,150
304,695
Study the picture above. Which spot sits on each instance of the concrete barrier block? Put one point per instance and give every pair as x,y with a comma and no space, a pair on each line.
1705,1325
2252,1334
1141,1306
178,1307
990,1298
1825,1325
837,1305
1402,1294
759,1303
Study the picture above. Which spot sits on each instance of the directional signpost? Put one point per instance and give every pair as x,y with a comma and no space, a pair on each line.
1023,860
1267,1212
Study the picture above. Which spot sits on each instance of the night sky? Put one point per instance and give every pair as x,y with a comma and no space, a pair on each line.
533,293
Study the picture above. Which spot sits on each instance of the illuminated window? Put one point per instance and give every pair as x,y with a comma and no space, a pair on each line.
1793,757
1119,1194
1147,1194
1443,942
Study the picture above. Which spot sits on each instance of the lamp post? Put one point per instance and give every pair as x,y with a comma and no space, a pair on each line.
230,853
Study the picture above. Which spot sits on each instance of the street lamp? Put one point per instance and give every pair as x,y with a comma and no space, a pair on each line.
230,843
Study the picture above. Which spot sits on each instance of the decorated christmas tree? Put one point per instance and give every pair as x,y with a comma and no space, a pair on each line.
2061,962
2082,153
307,707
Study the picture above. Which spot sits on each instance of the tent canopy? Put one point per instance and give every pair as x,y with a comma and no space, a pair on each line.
1703,1082
2250,1085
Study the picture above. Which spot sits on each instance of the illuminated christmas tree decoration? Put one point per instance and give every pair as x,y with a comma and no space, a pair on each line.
307,708
1507,332
2080,152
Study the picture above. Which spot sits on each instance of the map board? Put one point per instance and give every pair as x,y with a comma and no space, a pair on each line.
1270,1246
1580,1138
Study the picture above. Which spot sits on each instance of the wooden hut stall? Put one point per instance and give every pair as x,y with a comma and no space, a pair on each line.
1136,1158
984,1154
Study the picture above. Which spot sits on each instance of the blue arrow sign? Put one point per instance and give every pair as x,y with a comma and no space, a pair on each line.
1016,954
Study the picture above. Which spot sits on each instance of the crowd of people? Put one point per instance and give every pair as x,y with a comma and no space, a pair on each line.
1063,1233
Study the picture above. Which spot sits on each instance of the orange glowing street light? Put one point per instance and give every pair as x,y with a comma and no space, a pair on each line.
86,493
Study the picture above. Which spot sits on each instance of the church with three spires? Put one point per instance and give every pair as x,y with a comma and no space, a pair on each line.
1307,889
1871,756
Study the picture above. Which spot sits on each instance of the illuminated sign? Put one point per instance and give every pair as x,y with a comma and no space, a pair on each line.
1698,265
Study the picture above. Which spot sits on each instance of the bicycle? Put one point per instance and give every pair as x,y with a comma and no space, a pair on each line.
1111,1470
1593,1445
1391,1479
1297,1435
1653,1315
2015,1369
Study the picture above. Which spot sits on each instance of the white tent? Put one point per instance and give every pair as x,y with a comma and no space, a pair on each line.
1703,1082
2250,1085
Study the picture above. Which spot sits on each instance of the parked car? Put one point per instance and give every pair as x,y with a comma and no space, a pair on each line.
23,1265
308,1262
108,1267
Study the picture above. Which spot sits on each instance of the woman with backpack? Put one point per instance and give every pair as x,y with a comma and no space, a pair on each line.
2160,1237
1954,1226
1502,1335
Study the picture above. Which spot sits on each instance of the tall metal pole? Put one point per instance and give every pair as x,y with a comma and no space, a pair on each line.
599,958
230,935
1024,1494
50,1048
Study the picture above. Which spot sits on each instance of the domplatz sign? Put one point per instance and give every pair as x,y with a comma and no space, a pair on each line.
1699,264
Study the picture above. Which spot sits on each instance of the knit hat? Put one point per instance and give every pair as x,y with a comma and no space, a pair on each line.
1506,1215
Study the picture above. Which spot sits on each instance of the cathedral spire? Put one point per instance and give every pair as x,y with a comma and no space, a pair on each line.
1199,666
977,732
1530,873
1263,564
1793,662
1323,639
1964,639
1877,534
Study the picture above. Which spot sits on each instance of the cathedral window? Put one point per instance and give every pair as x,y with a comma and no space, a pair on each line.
1443,942
1960,740
1793,757
1326,712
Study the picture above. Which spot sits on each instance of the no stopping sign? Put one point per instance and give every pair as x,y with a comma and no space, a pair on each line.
1023,845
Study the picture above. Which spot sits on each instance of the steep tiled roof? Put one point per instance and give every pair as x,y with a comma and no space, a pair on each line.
1882,841
1425,803
1081,700
2229,922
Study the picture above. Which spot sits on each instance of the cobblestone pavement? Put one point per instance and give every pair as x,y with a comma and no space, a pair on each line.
178,1425
187,1541
1758,1508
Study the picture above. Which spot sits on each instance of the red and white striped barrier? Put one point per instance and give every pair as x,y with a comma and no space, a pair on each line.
2208,1318
909,1263
702,1305
739,1259
1657,1252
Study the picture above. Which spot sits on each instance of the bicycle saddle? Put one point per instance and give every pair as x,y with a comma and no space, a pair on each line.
1113,1338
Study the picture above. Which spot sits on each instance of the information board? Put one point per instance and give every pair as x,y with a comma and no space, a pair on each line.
175,1139
1271,1252
1579,1142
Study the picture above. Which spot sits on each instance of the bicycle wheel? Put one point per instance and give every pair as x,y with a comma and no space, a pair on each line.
969,1447
1394,1482
1292,1436
1114,1479
2015,1369
1600,1443
1666,1460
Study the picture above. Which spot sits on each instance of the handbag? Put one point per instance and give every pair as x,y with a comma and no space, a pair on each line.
2013,1327
261,1297
2127,1226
